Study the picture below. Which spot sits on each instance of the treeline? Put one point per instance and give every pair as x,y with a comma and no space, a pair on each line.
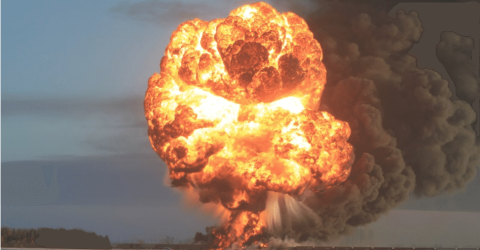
21,238
53,238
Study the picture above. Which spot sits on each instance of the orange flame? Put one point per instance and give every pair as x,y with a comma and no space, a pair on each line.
234,112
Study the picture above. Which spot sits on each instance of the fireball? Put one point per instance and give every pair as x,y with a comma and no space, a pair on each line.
234,114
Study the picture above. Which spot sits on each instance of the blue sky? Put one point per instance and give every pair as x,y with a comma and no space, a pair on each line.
75,151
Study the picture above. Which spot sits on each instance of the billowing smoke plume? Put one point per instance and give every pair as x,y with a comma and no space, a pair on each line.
408,135
455,53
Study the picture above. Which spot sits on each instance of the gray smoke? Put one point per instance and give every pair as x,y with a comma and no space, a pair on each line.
408,135
455,53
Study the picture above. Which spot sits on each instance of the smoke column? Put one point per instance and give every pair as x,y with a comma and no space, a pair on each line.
408,134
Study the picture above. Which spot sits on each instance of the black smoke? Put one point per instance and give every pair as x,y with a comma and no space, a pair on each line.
410,136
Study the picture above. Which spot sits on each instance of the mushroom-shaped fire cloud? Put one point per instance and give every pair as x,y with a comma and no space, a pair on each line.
234,114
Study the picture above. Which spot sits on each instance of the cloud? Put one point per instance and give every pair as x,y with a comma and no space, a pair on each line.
115,125
129,108
123,179
160,12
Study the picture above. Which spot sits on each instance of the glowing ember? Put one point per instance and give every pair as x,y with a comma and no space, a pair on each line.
234,115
